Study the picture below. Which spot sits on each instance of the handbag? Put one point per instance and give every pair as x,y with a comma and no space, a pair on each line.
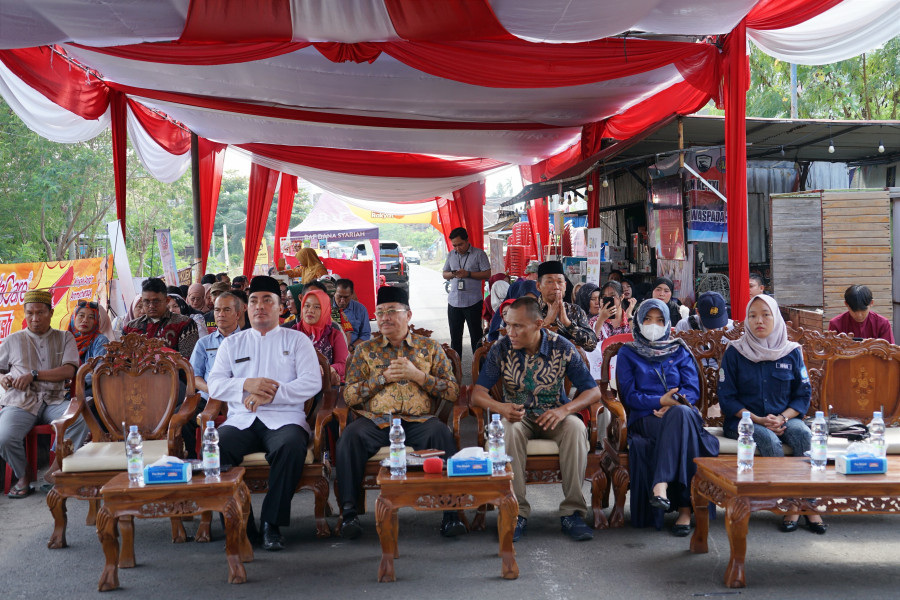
843,427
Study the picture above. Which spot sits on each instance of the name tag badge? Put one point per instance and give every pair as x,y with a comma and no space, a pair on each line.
461,284
245,359
285,352
785,366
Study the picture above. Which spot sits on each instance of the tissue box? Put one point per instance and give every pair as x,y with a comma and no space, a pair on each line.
469,461
170,473
859,465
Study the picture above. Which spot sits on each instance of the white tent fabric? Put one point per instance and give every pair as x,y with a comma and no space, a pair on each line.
410,208
45,118
844,31
163,166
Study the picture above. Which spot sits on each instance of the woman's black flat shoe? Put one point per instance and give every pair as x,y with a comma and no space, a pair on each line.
818,528
789,526
660,503
681,530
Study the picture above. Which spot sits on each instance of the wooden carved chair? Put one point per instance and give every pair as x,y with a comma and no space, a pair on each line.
135,383
315,471
452,415
542,464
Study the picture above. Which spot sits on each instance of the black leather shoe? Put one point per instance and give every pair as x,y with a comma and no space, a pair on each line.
819,528
351,529
681,530
273,541
452,527
788,526
660,503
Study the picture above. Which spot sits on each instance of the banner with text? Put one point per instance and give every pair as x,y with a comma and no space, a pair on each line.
69,281
706,218
167,256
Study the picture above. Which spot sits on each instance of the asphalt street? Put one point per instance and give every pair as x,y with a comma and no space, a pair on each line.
859,557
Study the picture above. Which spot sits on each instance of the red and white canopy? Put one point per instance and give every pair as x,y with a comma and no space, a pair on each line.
398,100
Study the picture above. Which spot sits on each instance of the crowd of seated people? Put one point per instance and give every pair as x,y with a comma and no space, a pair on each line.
250,342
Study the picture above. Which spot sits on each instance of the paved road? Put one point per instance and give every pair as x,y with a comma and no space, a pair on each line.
858,558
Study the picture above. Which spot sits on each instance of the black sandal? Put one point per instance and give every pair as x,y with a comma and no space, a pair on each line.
817,528
16,492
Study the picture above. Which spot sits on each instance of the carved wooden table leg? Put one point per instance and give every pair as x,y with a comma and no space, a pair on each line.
246,548
701,518
179,535
737,517
202,535
598,487
478,523
106,531
93,507
620,481
57,505
234,520
386,524
126,531
506,524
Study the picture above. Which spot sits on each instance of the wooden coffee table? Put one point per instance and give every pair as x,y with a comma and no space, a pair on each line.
122,500
424,491
781,485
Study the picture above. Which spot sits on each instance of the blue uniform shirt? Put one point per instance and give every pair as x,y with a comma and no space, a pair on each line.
358,316
640,380
764,388
204,355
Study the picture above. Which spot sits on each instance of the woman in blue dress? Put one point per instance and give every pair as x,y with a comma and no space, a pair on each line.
763,372
659,385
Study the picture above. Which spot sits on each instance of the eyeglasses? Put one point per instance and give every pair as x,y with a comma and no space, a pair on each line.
83,303
383,313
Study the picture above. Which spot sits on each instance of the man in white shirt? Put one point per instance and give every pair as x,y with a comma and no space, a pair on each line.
266,374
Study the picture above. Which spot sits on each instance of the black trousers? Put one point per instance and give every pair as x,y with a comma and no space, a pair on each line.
468,315
285,450
362,439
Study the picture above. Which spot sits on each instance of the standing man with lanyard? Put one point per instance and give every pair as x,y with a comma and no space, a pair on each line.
466,267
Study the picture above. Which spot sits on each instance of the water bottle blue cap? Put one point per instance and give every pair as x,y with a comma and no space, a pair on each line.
133,429
211,424
745,414
396,421
820,413
876,414
495,417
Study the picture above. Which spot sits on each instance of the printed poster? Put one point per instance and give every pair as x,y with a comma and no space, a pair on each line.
69,281
665,215
707,221
167,256
594,243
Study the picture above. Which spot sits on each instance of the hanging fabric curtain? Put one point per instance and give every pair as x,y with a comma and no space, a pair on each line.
286,192
737,82
539,220
593,199
119,123
262,189
212,161
449,219
469,205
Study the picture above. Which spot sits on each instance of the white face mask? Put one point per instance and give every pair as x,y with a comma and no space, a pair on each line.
653,332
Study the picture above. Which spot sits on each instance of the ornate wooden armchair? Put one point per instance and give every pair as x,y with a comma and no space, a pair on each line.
542,465
451,415
315,471
135,383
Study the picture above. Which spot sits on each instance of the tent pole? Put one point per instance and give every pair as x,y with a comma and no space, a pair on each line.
195,189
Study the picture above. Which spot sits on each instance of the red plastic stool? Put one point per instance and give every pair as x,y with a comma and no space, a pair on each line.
31,453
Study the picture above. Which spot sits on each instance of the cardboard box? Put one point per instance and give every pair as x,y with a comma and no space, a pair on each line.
860,465
171,473
459,467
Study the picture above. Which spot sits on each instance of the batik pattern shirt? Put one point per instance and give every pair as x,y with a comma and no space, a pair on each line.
178,332
404,399
535,381
579,332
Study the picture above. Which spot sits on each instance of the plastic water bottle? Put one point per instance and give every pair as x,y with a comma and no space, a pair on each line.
134,452
211,450
497,445
746,445
398,450
818,455
876,434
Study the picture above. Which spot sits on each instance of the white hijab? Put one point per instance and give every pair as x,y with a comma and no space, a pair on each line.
776,345
498,293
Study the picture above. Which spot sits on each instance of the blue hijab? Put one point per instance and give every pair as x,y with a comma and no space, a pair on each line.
518,289
664,347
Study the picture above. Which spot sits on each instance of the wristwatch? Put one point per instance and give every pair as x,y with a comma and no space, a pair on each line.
34,375
381,380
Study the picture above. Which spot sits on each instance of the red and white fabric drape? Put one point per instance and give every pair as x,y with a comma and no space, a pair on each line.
212,162
262,189
286,192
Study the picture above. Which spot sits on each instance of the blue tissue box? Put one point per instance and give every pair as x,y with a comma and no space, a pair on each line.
860,466
174,473
458,467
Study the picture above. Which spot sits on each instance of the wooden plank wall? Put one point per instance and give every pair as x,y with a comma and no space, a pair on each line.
856,231
796,242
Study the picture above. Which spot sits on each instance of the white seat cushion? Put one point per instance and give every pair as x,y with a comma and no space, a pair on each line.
258,459
110,456
729,446
539,448
385,451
